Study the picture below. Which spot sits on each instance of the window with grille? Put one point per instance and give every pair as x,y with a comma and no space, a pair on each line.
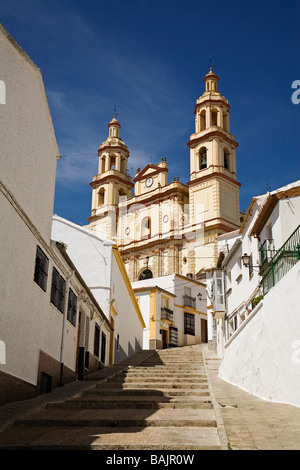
41,268
103,347
97,341
58,287
189,324
72,307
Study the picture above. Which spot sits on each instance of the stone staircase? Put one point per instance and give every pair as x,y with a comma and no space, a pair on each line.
162,403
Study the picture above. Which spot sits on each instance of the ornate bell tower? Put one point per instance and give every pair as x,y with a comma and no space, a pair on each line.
213,187
112,184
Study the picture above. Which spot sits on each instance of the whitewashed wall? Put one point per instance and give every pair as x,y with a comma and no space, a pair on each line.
144,304
264,358
91,255
127,323
28,146
28,167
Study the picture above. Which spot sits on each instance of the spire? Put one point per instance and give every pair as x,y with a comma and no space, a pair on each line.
114,127
211,81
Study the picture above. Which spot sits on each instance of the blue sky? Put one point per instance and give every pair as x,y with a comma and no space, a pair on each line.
149,57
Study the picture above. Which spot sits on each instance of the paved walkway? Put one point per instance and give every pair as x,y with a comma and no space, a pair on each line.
245,422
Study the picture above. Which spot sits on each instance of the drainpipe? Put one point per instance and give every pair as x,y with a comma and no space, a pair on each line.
64,328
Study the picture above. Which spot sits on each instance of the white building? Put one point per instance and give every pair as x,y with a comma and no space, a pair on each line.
174,311
38,322
261,274
100,264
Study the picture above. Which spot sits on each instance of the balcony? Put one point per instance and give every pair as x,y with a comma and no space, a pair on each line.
166,314
282,261
189,301
267,251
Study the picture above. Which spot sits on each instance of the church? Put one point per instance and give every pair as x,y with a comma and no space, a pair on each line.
163,227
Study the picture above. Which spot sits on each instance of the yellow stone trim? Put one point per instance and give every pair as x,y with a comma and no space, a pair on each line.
128,284
114,311
190,310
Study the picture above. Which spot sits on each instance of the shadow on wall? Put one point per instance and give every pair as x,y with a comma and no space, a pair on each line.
121,354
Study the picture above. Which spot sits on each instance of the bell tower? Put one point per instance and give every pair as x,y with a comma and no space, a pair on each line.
213,186
112,184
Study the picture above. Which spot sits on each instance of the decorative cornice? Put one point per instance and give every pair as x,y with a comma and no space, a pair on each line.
212,176
212,102
108,145
104,179
212,133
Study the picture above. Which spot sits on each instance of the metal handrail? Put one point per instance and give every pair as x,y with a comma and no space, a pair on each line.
166,314
283,260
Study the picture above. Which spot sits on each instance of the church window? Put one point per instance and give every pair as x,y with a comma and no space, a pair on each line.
202,118
101,196
112,165
203,158
146,227
122,195
146,274
214,118
226,159
41,268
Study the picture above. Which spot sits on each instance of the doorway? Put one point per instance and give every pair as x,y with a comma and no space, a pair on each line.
164,337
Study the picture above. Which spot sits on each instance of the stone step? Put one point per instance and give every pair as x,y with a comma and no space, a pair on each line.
151,379
120,418
133,402
102,438
167,392
172,362
162,403
151,385
172,374
168,367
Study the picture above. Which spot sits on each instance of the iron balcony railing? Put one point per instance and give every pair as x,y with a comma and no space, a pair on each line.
166,314
267,251
283,260
189,301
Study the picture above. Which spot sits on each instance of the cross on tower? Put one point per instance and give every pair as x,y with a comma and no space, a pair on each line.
115,110
210,63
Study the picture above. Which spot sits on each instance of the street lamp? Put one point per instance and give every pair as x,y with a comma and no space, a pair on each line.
246,261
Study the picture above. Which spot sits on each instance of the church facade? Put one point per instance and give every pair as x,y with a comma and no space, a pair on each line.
163,227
